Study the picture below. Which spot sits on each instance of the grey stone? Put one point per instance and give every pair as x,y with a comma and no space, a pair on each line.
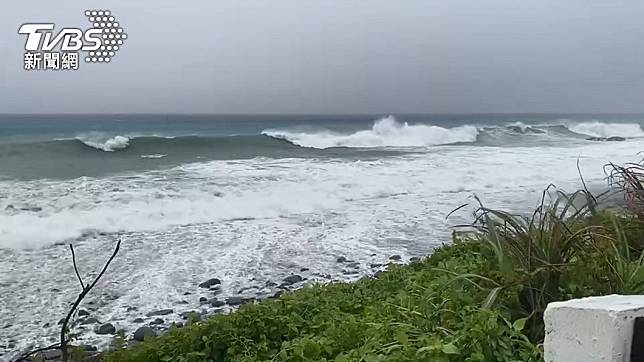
52,354
106,328
157,321
138,320
159,312
234,300
88,348
217,303
90,320
210,282
82,312
395,257
191,314
143,332
292,279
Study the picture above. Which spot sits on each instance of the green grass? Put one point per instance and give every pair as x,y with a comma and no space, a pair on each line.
480,298
427,311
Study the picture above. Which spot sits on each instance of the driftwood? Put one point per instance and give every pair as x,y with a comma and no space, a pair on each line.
62,345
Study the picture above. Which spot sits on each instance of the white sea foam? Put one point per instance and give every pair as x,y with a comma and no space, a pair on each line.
602,129
386,132
155,155
251,221
109,144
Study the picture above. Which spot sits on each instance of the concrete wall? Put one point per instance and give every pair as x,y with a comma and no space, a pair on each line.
592,329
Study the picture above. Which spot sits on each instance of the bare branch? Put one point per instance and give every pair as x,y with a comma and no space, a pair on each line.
81,296
75,267
29,354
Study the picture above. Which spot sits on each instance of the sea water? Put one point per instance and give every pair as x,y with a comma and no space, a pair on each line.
253,199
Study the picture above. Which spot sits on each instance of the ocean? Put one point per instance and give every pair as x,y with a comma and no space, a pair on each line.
253,199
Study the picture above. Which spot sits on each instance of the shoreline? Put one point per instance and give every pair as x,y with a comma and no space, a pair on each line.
209,304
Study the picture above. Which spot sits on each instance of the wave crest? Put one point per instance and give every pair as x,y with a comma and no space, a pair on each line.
385,132
601,129
105,144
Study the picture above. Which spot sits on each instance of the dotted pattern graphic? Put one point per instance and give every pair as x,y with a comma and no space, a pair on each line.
112,37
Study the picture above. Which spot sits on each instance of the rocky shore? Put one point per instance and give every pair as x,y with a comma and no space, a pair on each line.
204,301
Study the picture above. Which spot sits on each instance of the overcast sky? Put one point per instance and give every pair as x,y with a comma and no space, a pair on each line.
339,56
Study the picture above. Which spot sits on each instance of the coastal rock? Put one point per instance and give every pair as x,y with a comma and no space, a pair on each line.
203,300
106,328
353,264
341,259
190,315
414,259
32,209
395,257
88,348
138,320
159,312
612,139
292,279
375,265
143,332
217,303
50,355
183,302
304,269
210,282
90,320
234,300
157,321
82,312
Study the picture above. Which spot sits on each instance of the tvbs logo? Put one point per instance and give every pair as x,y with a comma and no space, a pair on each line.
50,50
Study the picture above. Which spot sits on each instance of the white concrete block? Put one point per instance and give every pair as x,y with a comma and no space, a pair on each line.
591,329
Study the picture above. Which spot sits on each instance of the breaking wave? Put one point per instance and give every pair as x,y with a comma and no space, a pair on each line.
386,132
601,129
109,145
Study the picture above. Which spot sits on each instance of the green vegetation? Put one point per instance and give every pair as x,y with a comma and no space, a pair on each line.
481,298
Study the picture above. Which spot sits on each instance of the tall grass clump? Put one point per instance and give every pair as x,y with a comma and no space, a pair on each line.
532,252
629,179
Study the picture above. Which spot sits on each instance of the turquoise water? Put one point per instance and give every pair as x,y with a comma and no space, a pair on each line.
70,146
